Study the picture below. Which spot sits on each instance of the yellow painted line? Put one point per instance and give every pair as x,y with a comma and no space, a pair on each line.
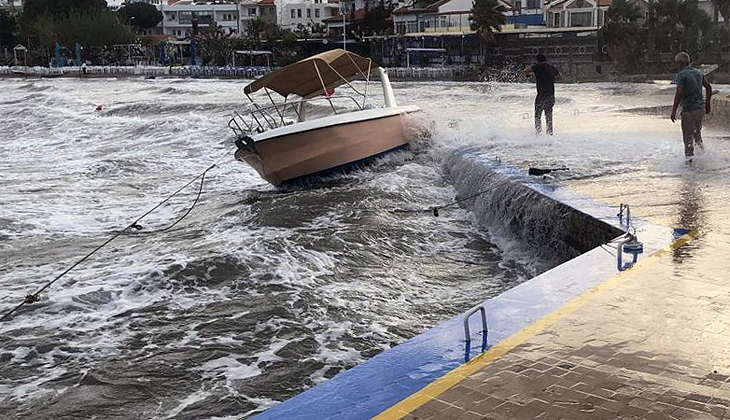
444,383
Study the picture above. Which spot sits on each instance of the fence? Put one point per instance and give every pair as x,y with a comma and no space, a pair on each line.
432,73
186,71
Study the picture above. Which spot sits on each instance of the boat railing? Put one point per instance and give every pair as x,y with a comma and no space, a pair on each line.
258,118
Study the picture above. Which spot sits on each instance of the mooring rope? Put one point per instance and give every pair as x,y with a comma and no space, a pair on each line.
435,210
34,297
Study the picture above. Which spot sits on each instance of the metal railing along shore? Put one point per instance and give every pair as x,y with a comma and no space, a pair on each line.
181,71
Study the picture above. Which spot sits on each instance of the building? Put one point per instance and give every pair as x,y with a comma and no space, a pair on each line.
528,13
178,18
11,4
250,11
576,13
307,13
440,17
114,5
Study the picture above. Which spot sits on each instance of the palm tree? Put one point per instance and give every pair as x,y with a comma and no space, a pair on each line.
486,17
621,33
682,24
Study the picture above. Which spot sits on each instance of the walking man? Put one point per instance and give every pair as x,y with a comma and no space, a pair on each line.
545,77
689,94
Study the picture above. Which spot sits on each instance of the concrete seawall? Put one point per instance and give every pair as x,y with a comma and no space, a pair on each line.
720,116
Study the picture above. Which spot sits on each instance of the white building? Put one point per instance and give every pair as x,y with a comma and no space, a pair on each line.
444,16
178,18
10,4
252,10
114,5
308,13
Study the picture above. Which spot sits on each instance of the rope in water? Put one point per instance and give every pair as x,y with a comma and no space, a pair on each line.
435,210
34,297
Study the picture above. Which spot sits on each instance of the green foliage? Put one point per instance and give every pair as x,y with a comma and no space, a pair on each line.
100,28
33,9
215,45
375,20
142,15
679,25
92,29
289,40
621,34
486,17
260,29
8,29
623,12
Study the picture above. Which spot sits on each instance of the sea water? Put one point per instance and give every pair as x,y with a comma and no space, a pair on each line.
260,293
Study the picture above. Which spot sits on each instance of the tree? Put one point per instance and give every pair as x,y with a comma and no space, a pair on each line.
486,17
215,45
680,25
8,29
621,34
101,28
33,9
375,19
142,15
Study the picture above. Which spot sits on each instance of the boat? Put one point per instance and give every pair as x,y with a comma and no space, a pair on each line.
315,129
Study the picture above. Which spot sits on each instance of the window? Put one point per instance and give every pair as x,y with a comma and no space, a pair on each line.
533,4
442,23
299,13
316,13
292,13
518,6
309,13
400,27
252,12
580,19
185,17
411,27
556,20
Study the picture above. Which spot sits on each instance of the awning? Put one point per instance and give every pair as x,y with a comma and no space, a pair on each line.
335,67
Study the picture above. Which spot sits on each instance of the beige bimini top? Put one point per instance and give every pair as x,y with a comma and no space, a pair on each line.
335,67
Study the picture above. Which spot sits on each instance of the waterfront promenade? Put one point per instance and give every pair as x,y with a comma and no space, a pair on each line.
648,343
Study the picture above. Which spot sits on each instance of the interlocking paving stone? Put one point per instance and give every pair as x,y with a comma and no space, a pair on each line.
651,348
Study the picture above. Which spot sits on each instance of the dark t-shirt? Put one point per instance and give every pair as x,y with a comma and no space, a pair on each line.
545,77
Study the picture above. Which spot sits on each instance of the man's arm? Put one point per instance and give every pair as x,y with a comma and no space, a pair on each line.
708,95
677,100
528,71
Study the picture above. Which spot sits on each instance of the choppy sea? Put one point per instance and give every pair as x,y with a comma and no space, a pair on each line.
259,293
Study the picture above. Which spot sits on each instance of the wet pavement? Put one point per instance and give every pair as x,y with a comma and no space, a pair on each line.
649,343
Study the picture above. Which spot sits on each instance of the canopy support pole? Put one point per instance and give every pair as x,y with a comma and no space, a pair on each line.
324,87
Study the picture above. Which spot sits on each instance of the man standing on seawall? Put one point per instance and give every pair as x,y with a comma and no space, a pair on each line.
545,77
689,93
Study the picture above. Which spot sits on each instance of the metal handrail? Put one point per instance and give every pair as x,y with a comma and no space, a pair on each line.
270,120
485,329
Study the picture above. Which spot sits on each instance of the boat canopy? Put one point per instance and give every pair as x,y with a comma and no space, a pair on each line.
313,75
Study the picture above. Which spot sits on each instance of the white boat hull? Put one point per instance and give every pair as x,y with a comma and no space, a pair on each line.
307,148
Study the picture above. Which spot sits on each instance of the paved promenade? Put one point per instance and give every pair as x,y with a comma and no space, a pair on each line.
650,343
